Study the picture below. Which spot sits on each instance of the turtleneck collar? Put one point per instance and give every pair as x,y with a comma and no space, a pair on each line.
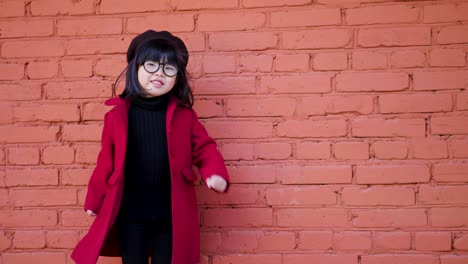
156,103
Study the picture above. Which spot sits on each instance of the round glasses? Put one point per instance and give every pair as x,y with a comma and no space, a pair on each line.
170,70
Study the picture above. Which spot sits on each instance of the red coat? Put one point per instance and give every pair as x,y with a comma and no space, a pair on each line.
188,144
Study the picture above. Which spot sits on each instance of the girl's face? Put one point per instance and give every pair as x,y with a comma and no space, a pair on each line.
157,78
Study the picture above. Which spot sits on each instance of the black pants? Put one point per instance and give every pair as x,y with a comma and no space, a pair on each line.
137,240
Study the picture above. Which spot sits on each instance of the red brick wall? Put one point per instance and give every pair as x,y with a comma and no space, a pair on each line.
344,124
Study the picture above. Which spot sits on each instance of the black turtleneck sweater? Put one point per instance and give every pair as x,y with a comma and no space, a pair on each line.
147,187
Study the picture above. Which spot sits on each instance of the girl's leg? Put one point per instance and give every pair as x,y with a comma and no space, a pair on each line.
162,246
133,243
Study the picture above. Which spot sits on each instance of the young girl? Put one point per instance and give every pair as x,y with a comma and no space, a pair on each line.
141,190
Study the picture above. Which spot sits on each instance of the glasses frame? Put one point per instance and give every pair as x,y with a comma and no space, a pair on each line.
159,66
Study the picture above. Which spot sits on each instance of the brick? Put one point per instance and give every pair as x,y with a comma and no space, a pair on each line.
194,42
351,150
449,217
306,18
31,177
230,21
59,7
75,218
58,155
122,6
384,14
451,34
389,218
33,48
195,66
77,68
42,69
109,67
312,128
224,85
459,148
315,174
43,197
261,106
272,150
23,156
4,200
48,112
320,258
414,103
82,132
89,26
369,60
408,59
5,240
94,111
12,8
313,150
362,127
219,64
237,151
2,158
87,154
445,12
35,257
450,172
277,241
75,177
433,241
443,194
392,174
28,134
372,81
317,39
453,259
11,71
247,259
263,3
237,195
400,259
395,36
449,125
289,84
330,61
78,89
300,196
319,240
209,108
376,196
102,45
460,241
7,114
209,4
242,41
239,217
29,239
62,239
389,150
441,57
171,23
210,242
255,63
394,240
439,80
239,241
27,28
28,218
428,149
252,174
352,240
307,217
462,101
292,62
239,129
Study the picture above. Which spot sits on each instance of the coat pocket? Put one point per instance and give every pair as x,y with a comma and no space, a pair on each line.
189,174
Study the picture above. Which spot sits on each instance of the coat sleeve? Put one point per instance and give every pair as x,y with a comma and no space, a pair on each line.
97,185
205,154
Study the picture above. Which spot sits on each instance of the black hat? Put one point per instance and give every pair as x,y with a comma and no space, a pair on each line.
149,35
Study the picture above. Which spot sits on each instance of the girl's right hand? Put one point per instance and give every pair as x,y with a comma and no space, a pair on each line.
90,213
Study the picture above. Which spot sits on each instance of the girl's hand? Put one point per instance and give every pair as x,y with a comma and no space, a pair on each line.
217,183
90,213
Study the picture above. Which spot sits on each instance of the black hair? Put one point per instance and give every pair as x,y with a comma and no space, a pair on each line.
156,50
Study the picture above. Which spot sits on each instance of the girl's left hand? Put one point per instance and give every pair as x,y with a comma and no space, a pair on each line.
217,183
